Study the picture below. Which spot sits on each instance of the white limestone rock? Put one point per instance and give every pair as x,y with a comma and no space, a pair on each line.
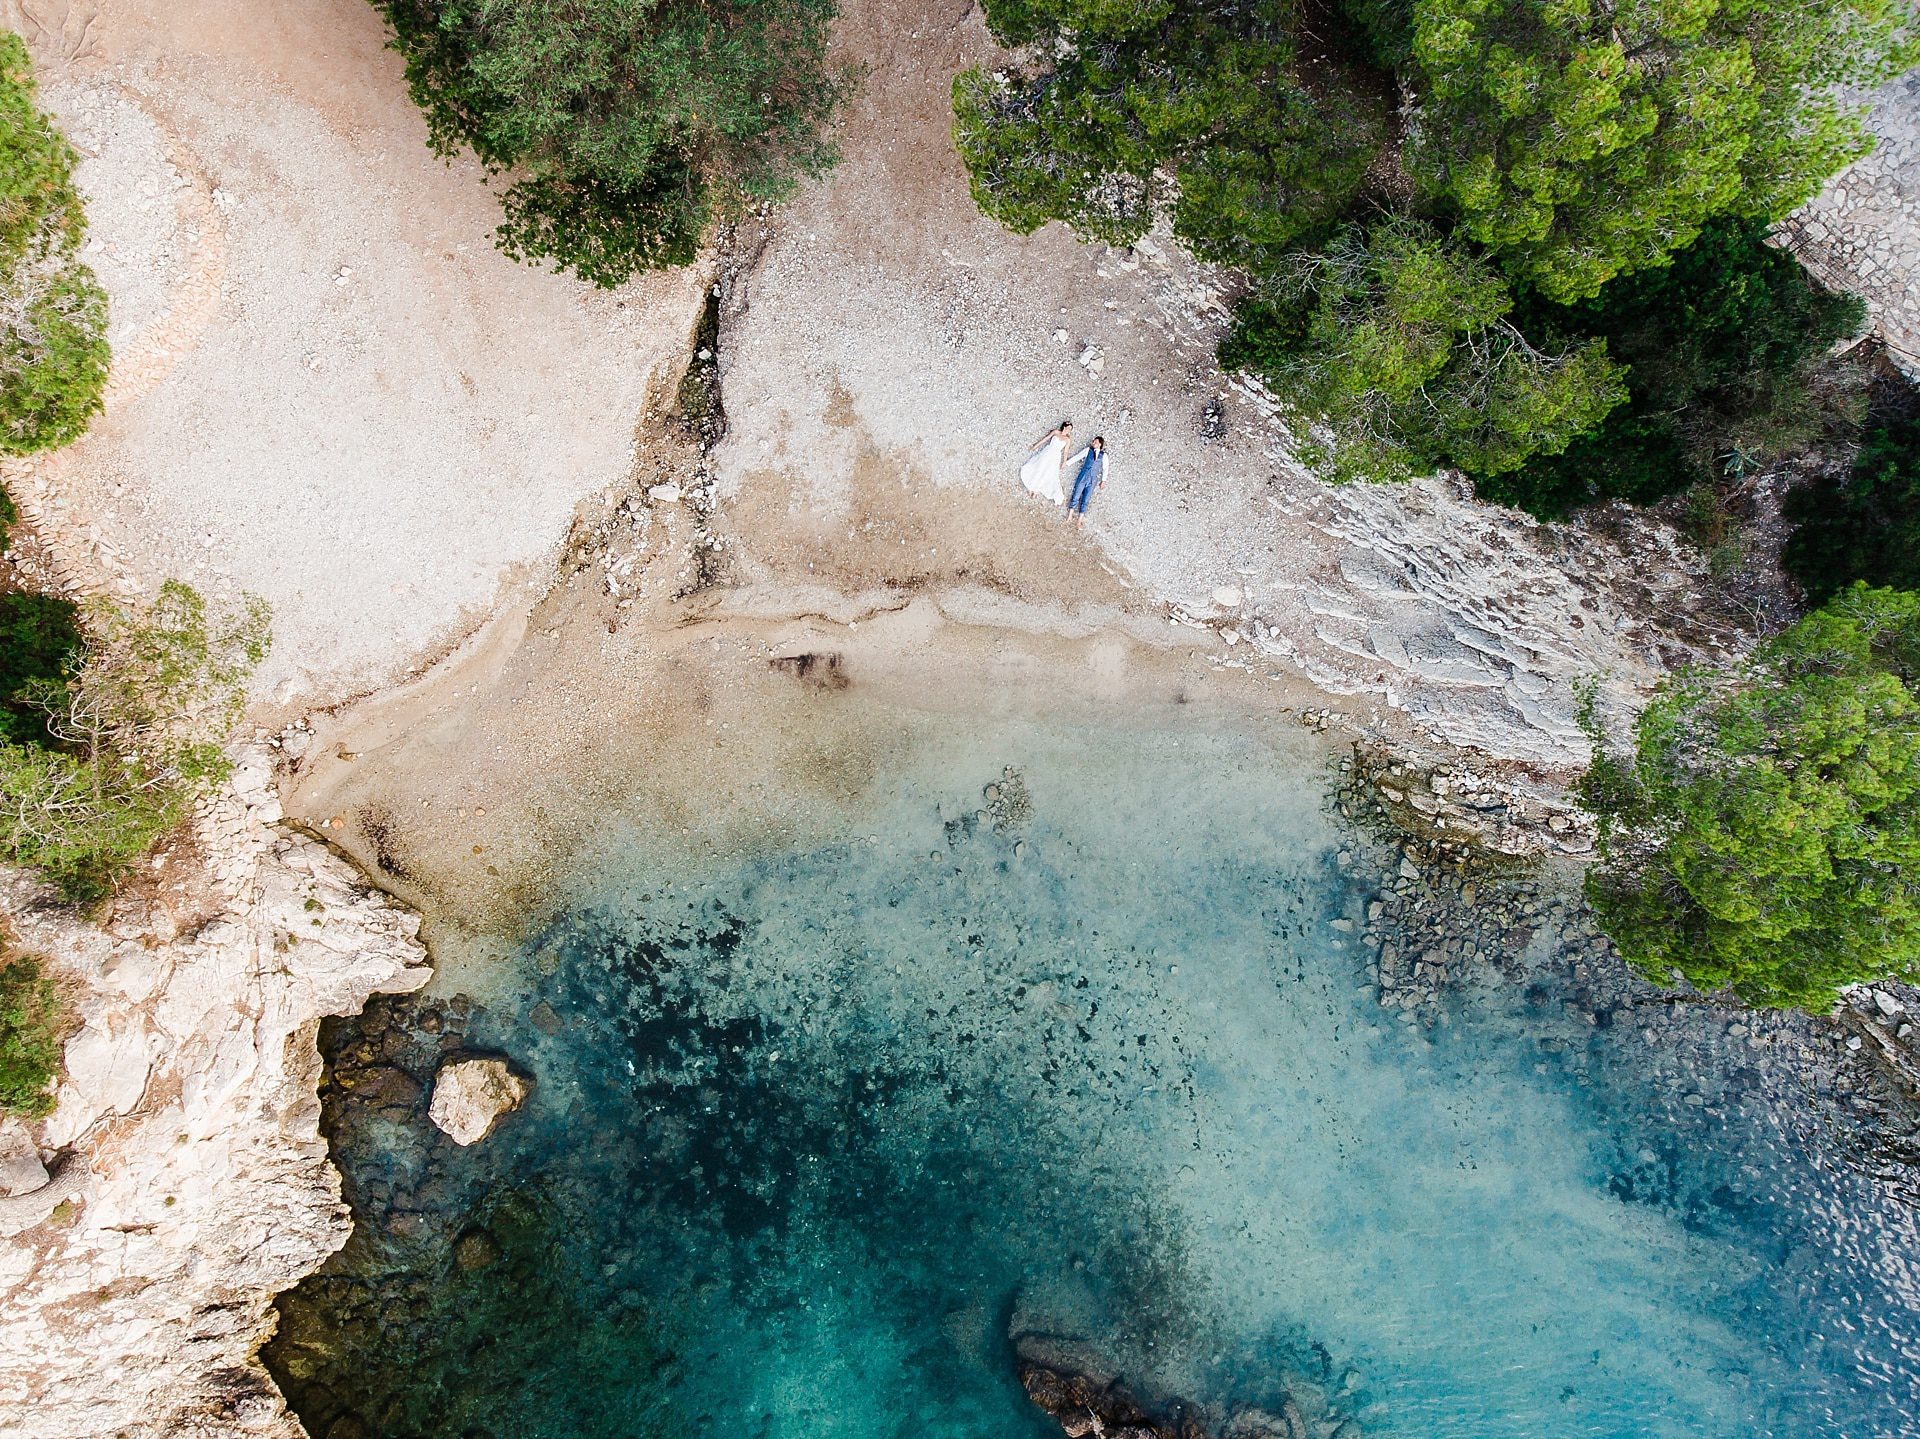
470,1095
21,1171
185,1181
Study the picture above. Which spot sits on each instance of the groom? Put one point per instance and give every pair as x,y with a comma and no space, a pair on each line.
1091,475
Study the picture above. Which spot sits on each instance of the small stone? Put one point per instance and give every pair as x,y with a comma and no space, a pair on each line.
1886,1003
1229,597
543,1018
668,494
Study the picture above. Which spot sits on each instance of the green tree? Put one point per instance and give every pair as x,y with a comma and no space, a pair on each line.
1764,835
1582,139
1721,348
1395,342
629,126
138,732
30,1020
1864,525
53,312
39,638
1141,105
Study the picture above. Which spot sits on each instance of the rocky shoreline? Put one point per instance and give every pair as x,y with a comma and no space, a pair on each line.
1448,911
188,1179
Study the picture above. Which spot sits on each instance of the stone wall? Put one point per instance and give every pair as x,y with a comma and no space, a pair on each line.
189,1180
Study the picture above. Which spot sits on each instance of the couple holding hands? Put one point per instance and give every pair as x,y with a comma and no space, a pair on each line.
1046,468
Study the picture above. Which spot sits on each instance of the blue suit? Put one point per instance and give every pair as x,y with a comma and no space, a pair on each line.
1091,474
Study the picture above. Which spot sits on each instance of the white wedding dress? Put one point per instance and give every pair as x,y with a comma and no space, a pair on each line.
1041,472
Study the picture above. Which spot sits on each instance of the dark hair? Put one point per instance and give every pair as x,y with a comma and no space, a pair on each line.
1064,425
1100,440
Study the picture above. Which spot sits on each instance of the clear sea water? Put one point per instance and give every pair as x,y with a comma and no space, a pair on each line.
822,1124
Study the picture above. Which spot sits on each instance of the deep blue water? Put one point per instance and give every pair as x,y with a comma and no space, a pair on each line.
821,1125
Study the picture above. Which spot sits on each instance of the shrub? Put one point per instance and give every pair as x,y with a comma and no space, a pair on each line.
629,128
30,1016
38,639
1764,835
53,312
1720,348
1865,526
138,731
1395,341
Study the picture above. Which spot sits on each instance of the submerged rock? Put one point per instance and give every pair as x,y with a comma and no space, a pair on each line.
470,1095
1265,1424
475,1250
1082,1407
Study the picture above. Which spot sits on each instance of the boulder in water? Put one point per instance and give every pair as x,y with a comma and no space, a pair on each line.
470,1095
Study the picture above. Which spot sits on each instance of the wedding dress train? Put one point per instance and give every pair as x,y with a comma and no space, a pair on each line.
1041,472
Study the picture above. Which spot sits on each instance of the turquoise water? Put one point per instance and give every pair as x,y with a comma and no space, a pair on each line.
820,1127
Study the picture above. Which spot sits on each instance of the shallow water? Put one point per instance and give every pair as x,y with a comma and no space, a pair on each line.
820,1127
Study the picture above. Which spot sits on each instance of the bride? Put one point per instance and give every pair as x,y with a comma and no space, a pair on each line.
1041,473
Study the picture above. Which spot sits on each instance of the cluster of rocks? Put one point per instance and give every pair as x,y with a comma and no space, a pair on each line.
1461,808
406,1085
188,1180
409,1084
1097,1386
1083,1406
1072,1384
1442,914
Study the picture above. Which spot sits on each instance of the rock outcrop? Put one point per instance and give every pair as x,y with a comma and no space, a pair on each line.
470,1095
188,1182
1082,1407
